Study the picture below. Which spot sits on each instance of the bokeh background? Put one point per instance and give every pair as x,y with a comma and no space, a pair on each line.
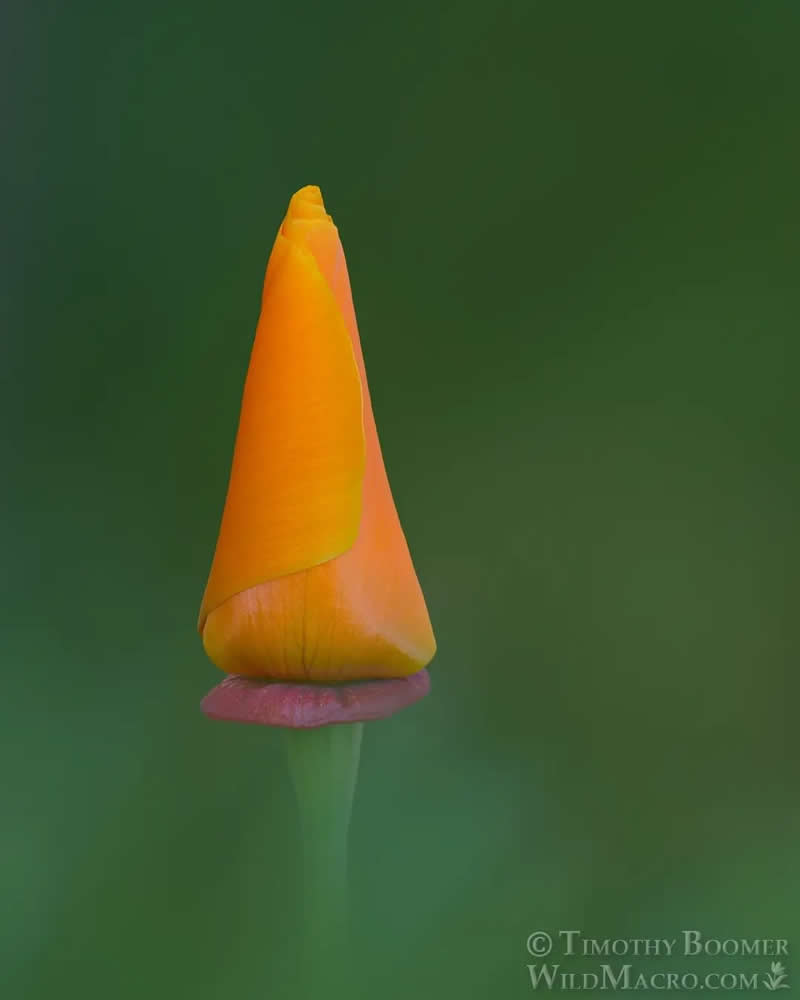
572,231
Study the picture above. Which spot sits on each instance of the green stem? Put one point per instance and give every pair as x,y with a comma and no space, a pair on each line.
323,764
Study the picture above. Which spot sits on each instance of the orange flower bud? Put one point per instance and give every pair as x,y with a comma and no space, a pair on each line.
312,578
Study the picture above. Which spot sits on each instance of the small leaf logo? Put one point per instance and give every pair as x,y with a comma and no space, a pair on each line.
774,980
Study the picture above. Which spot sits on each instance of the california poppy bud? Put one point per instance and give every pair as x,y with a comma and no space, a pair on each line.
312,578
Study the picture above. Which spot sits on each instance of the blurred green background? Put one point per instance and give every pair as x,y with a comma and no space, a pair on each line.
572,231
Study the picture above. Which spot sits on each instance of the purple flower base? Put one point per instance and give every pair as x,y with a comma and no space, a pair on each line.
306,706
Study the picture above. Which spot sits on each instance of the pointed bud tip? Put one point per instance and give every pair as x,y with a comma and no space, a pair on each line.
307,203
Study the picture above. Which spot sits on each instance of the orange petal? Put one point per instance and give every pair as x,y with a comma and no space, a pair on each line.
361,613
295,492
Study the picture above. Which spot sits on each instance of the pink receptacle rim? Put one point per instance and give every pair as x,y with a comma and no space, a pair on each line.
306,706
